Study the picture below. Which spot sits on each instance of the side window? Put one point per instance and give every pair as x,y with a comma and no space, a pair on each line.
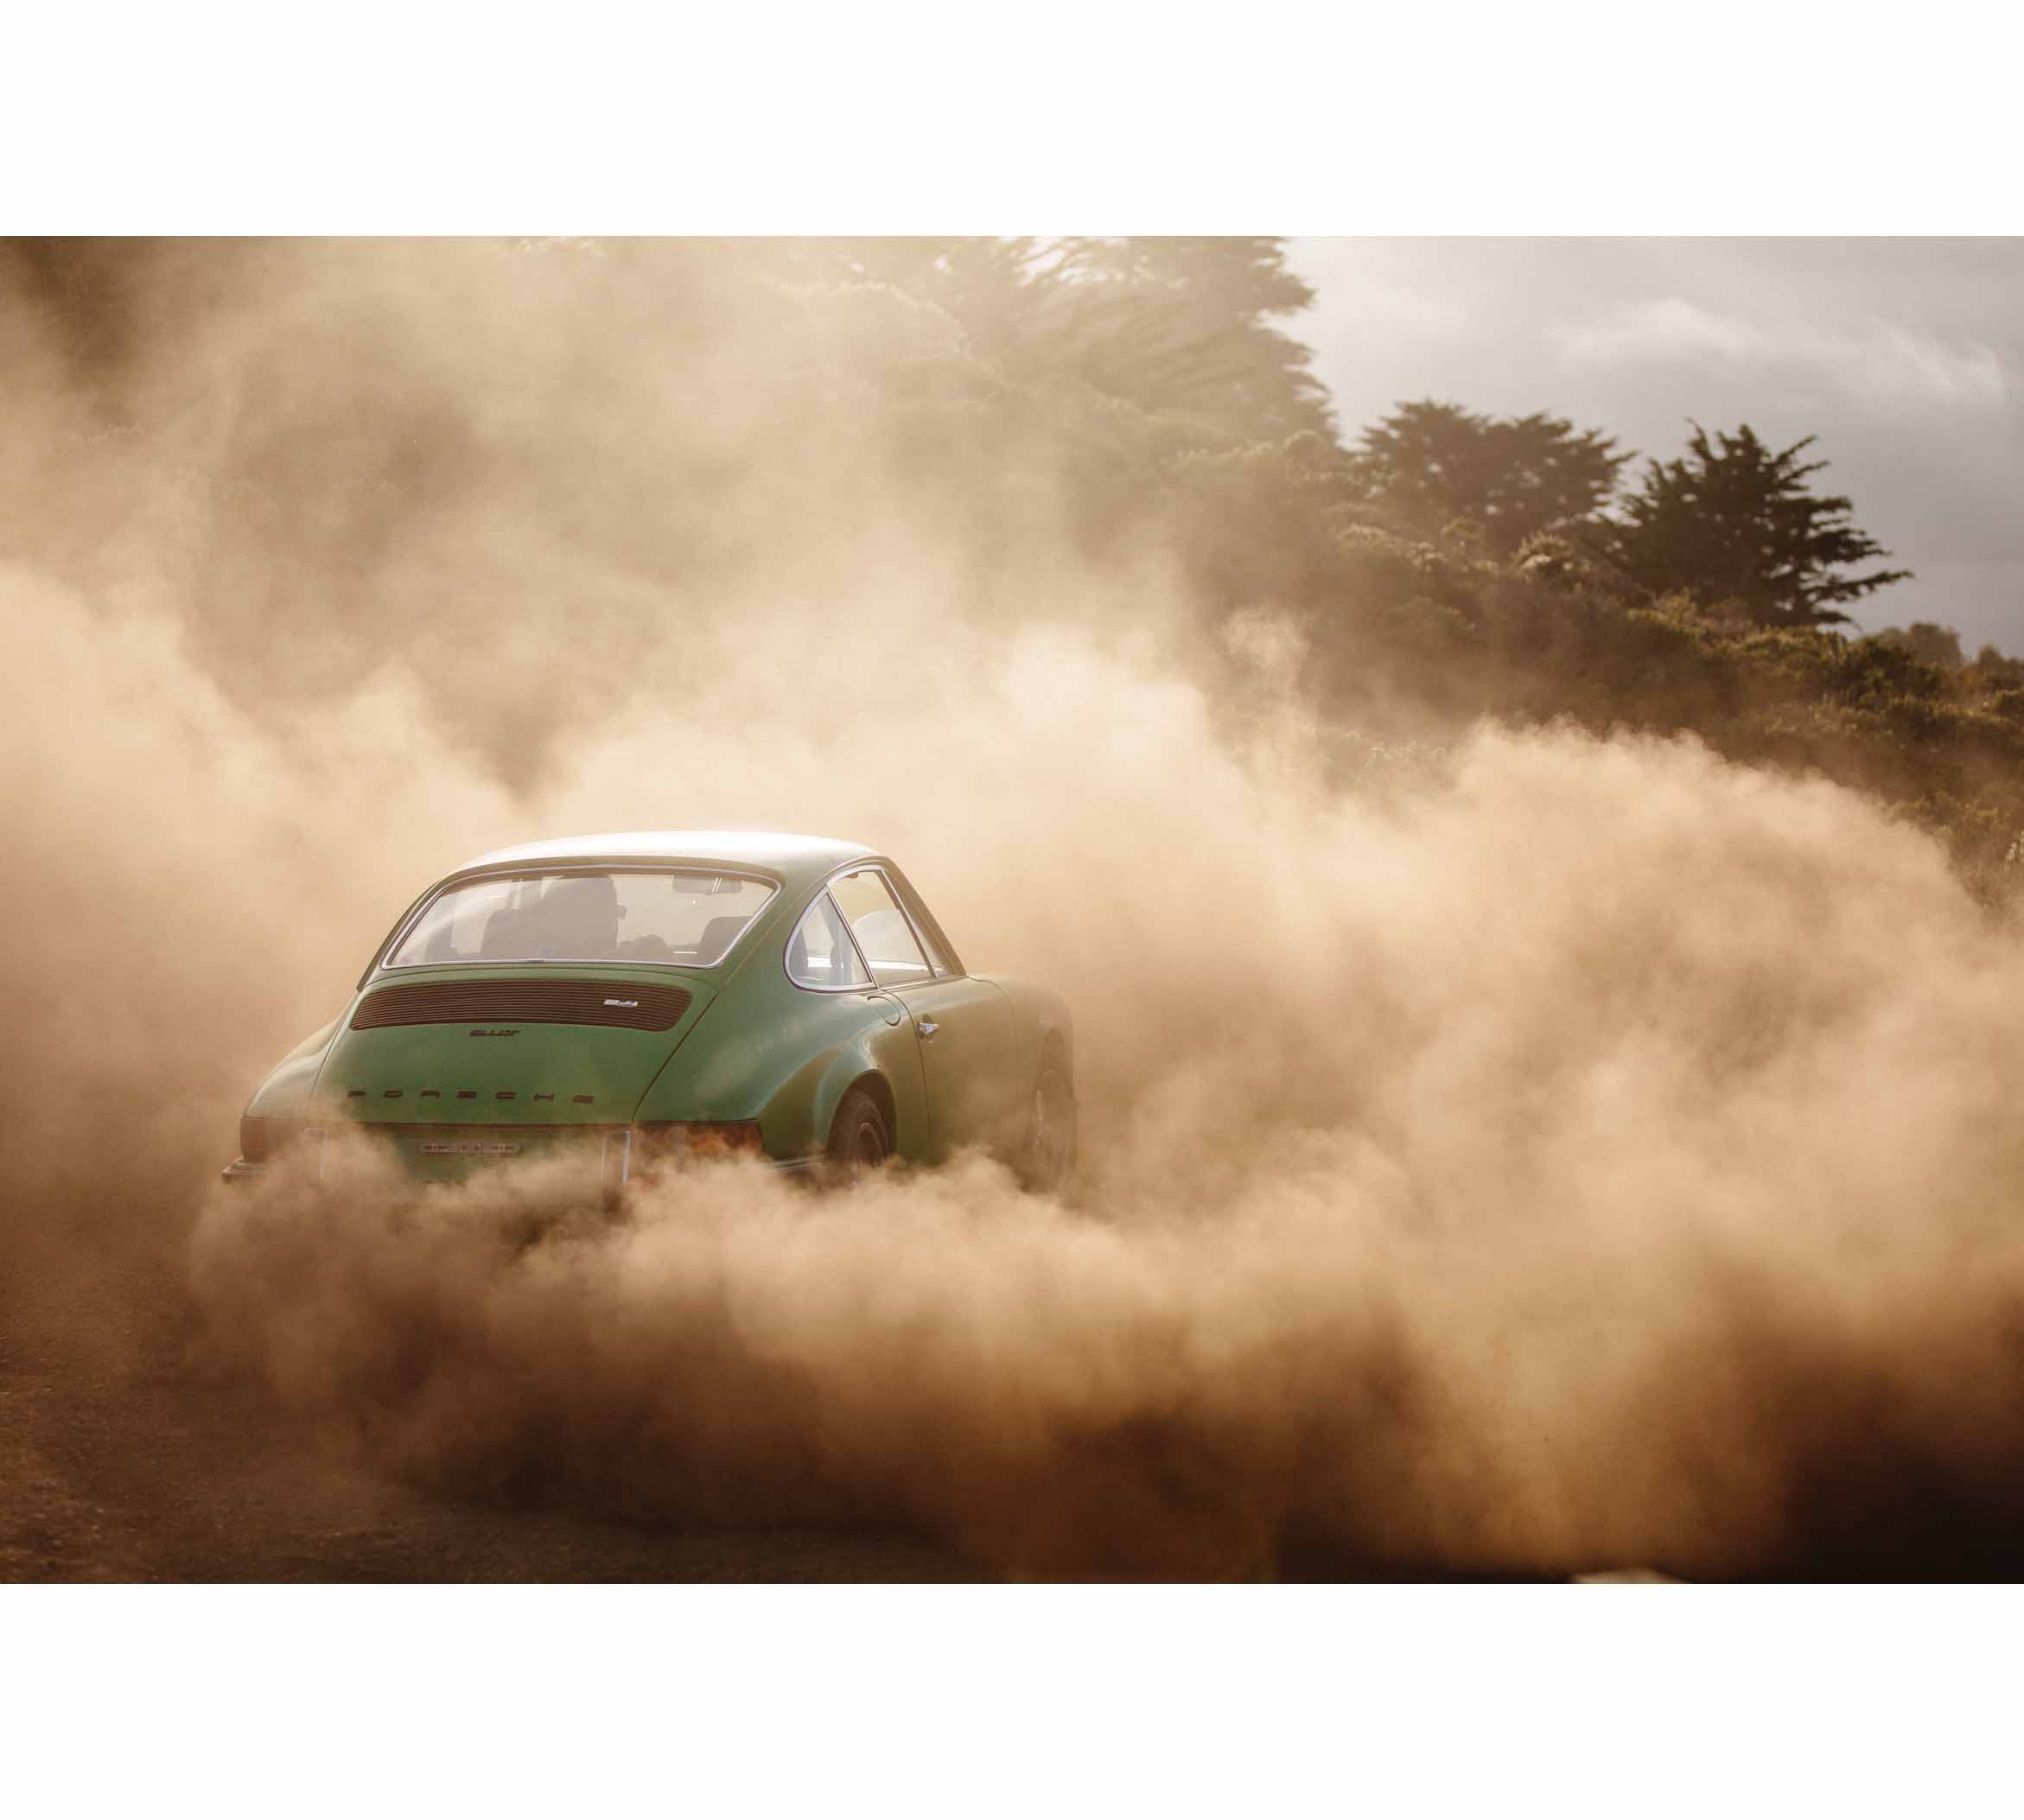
881,929
819,953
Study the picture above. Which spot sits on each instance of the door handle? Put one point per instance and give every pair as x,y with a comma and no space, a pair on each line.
927,1026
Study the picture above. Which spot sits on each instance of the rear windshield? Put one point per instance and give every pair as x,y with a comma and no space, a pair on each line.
671,917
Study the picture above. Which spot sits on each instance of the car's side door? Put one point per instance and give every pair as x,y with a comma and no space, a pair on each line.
968,1038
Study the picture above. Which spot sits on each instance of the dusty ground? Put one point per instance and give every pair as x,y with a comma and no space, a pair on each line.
120,1461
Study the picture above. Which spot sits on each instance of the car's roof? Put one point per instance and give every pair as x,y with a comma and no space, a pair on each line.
796,857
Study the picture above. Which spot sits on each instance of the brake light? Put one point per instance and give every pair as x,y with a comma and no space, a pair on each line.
694,1140
732,1137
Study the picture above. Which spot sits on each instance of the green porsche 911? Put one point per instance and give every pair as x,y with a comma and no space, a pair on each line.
627,1001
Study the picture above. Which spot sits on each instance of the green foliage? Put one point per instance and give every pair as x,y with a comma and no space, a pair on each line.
1938,645
1429,465
1183,330
1734,523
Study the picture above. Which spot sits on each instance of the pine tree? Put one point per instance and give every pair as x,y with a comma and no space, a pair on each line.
1430,464
1734,524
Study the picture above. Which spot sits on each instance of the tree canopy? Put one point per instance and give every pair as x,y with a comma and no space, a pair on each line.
1429,465
1733,523
1180,329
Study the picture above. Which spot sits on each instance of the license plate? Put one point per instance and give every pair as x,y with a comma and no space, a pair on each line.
436,1148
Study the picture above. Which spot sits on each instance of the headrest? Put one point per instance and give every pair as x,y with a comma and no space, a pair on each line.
719,933
592,896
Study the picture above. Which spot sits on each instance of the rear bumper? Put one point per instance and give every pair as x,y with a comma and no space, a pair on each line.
239,1171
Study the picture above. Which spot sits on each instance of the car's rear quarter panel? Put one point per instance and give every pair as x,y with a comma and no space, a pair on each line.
772,1051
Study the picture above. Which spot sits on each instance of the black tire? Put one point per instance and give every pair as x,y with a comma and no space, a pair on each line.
1049,1156
859,1142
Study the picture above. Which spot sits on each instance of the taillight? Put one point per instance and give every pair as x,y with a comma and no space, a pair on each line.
636,1154
693,1140
726,1137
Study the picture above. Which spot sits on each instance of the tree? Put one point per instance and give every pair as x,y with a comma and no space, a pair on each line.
1202,339
1430,464
1938,645
1992,669
1174,328
1733,523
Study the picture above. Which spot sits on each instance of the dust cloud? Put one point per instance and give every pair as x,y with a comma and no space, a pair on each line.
1552,1152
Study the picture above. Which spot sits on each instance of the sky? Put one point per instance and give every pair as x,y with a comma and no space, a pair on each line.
1905,357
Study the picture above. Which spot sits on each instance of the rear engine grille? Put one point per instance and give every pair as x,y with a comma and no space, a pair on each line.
413,1133
625,1007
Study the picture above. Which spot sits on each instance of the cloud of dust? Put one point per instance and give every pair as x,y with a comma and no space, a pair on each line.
1578,1152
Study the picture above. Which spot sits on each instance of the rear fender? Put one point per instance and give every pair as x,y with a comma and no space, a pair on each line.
845,1070
790,1081
287,1090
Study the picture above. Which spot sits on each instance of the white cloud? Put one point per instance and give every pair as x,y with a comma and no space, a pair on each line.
1877,363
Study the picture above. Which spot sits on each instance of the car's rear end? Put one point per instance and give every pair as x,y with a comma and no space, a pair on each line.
519,1016
451,1074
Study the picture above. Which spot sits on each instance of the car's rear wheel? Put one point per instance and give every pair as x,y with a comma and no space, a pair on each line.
1050,1145
859,1142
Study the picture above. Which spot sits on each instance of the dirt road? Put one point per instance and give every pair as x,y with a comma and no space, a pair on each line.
123,1458
120,1459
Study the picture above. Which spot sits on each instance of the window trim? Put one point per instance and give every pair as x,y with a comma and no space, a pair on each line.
933,972
914,907
868,986
884,869
383,960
